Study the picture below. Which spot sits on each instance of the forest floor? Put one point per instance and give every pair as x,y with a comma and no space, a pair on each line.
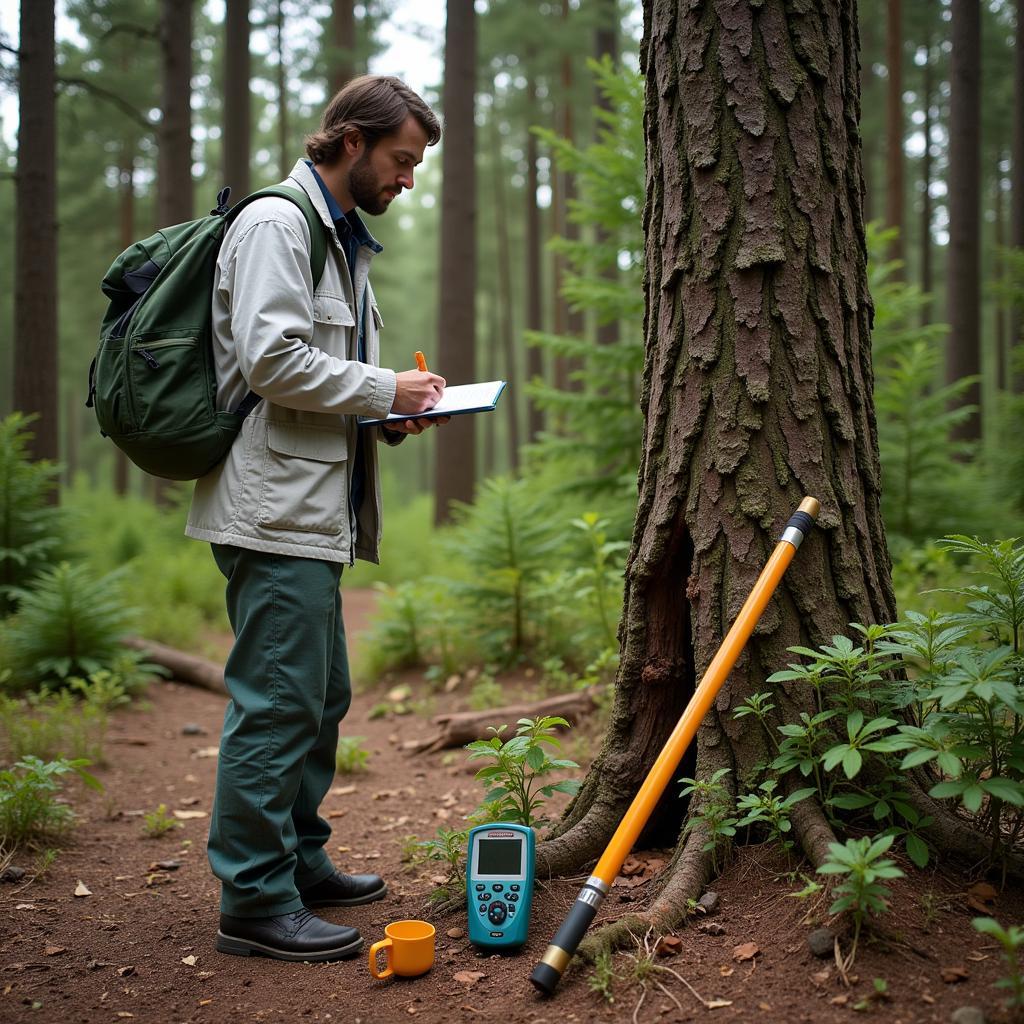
140,947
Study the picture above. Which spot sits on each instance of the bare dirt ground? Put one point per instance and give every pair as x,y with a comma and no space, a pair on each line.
140,945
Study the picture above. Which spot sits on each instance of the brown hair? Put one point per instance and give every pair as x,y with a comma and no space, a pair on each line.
375,106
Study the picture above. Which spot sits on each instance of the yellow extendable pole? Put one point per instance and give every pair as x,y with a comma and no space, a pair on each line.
548,972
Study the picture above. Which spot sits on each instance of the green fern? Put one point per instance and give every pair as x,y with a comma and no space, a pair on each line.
30,528
69,623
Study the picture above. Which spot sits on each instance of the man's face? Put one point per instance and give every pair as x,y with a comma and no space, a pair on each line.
382,172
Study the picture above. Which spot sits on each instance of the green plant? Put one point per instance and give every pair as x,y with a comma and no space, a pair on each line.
159,822
69,623
599,583
1011,941
765,808
879,994
351,758
29,811
448,847
603,976
863,865
486,693
30,527
711,809
515,781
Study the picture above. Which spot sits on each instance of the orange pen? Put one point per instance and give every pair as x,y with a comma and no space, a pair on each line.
421,362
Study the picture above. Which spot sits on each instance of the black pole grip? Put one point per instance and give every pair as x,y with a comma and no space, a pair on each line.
548,972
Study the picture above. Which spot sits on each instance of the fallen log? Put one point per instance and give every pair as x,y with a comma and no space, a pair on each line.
461,727
185,668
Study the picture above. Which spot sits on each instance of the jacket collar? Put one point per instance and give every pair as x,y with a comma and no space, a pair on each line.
303,176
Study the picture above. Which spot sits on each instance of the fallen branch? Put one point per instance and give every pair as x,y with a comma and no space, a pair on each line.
185,668
462,727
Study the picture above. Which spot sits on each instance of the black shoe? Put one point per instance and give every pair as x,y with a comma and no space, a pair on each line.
299,935
338,890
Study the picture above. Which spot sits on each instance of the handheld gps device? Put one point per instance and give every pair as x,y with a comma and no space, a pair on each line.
499,884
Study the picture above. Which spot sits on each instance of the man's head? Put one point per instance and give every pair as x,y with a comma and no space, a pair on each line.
373,134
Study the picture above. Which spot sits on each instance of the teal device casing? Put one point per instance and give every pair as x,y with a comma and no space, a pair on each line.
499,884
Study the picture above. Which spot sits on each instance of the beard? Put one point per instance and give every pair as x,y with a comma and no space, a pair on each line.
365,188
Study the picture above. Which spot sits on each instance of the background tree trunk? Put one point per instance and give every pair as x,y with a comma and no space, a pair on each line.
963,260
283,145
1017,180
126,217
757,390
343,40
174,168
237,131
894,129
534,259
606,43
926,184
35,275
456,448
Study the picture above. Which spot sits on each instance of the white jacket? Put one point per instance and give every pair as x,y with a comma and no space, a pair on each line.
284,486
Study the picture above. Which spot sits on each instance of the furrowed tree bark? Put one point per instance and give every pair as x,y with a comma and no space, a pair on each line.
757,391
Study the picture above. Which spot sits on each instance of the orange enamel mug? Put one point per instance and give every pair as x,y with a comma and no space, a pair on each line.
409,949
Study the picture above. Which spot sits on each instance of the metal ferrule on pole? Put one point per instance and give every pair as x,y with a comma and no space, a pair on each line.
548,972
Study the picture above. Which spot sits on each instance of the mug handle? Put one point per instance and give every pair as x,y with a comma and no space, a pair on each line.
384,944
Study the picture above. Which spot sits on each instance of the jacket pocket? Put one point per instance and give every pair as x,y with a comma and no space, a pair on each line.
332,311
305,480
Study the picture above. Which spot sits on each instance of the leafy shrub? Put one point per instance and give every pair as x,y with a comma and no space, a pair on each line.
30,527
69,623
1011,941
935,695
516,780
864,867
351,758
29,812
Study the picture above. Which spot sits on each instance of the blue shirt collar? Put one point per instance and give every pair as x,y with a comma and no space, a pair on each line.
345,222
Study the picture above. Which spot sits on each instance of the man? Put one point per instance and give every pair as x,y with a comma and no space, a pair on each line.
297,498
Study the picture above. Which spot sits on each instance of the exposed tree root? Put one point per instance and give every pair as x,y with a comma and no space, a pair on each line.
686,877
811,828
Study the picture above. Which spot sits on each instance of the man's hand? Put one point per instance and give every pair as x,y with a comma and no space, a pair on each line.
416,391
416,426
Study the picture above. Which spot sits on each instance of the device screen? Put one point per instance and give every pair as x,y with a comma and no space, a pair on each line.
499,857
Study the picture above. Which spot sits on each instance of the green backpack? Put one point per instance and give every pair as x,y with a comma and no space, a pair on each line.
153,381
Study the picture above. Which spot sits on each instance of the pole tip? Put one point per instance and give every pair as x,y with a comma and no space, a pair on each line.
545,978
811,506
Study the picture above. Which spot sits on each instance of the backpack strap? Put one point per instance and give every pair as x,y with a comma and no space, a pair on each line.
317,228
317,255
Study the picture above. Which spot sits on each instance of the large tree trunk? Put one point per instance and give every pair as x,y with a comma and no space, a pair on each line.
237,131
455,476
963,345
35,274
757,390
894,128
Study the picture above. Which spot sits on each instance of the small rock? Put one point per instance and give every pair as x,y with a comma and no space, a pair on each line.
821,942
968,1015
455,933
192,729
12,874
709,901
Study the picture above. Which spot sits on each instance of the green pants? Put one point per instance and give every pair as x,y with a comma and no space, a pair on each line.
287,677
